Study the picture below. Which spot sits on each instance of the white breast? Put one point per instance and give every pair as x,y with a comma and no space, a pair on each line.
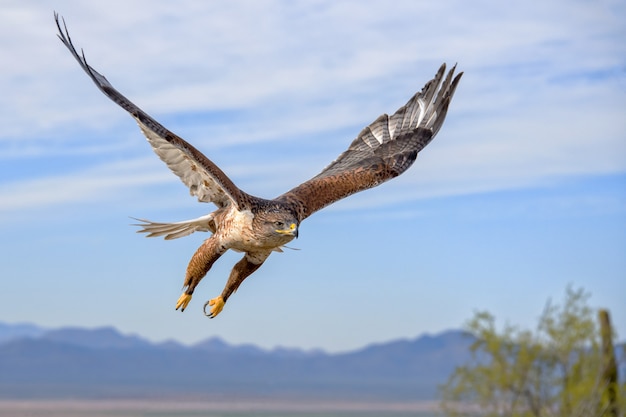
236,231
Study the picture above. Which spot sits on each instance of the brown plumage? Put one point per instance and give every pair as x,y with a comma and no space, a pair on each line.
256,226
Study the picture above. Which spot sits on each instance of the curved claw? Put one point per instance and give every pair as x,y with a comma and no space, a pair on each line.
183,302
217,304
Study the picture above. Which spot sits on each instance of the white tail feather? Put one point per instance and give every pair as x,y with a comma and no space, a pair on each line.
177,229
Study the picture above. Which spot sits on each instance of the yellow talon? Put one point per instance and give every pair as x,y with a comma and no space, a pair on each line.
183,301
217,304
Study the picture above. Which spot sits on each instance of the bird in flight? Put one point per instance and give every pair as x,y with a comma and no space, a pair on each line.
256,226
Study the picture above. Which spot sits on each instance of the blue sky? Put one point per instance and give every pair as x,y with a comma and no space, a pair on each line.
522,192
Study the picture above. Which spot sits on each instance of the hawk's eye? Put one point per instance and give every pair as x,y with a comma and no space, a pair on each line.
279,224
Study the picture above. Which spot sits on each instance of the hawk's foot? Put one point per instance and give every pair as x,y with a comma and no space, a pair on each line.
217,304
183,301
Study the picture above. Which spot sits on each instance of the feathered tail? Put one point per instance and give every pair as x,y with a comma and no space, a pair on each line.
176,229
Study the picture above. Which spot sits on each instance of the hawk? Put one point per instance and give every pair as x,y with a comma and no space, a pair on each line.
257,226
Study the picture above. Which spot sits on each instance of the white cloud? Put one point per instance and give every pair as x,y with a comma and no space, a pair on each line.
542,97
93,184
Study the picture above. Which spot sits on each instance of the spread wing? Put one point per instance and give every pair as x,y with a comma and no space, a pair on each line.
383,150
204,179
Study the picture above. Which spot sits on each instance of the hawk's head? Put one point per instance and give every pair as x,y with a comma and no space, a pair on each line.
275,226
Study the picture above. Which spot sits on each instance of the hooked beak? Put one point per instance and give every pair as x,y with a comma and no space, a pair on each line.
292,231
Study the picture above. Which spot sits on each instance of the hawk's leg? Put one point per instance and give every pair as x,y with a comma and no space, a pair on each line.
199,265
242,270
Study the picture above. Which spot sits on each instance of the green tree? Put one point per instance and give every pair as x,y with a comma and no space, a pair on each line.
555,370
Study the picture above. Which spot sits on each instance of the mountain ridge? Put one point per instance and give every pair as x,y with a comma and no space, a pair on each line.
110,337
102,362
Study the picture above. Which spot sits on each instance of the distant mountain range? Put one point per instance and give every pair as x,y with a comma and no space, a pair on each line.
103,363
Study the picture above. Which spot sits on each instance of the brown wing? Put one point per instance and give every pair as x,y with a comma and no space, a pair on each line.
383,150
204,179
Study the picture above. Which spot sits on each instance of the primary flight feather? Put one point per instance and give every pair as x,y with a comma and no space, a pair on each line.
256,226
